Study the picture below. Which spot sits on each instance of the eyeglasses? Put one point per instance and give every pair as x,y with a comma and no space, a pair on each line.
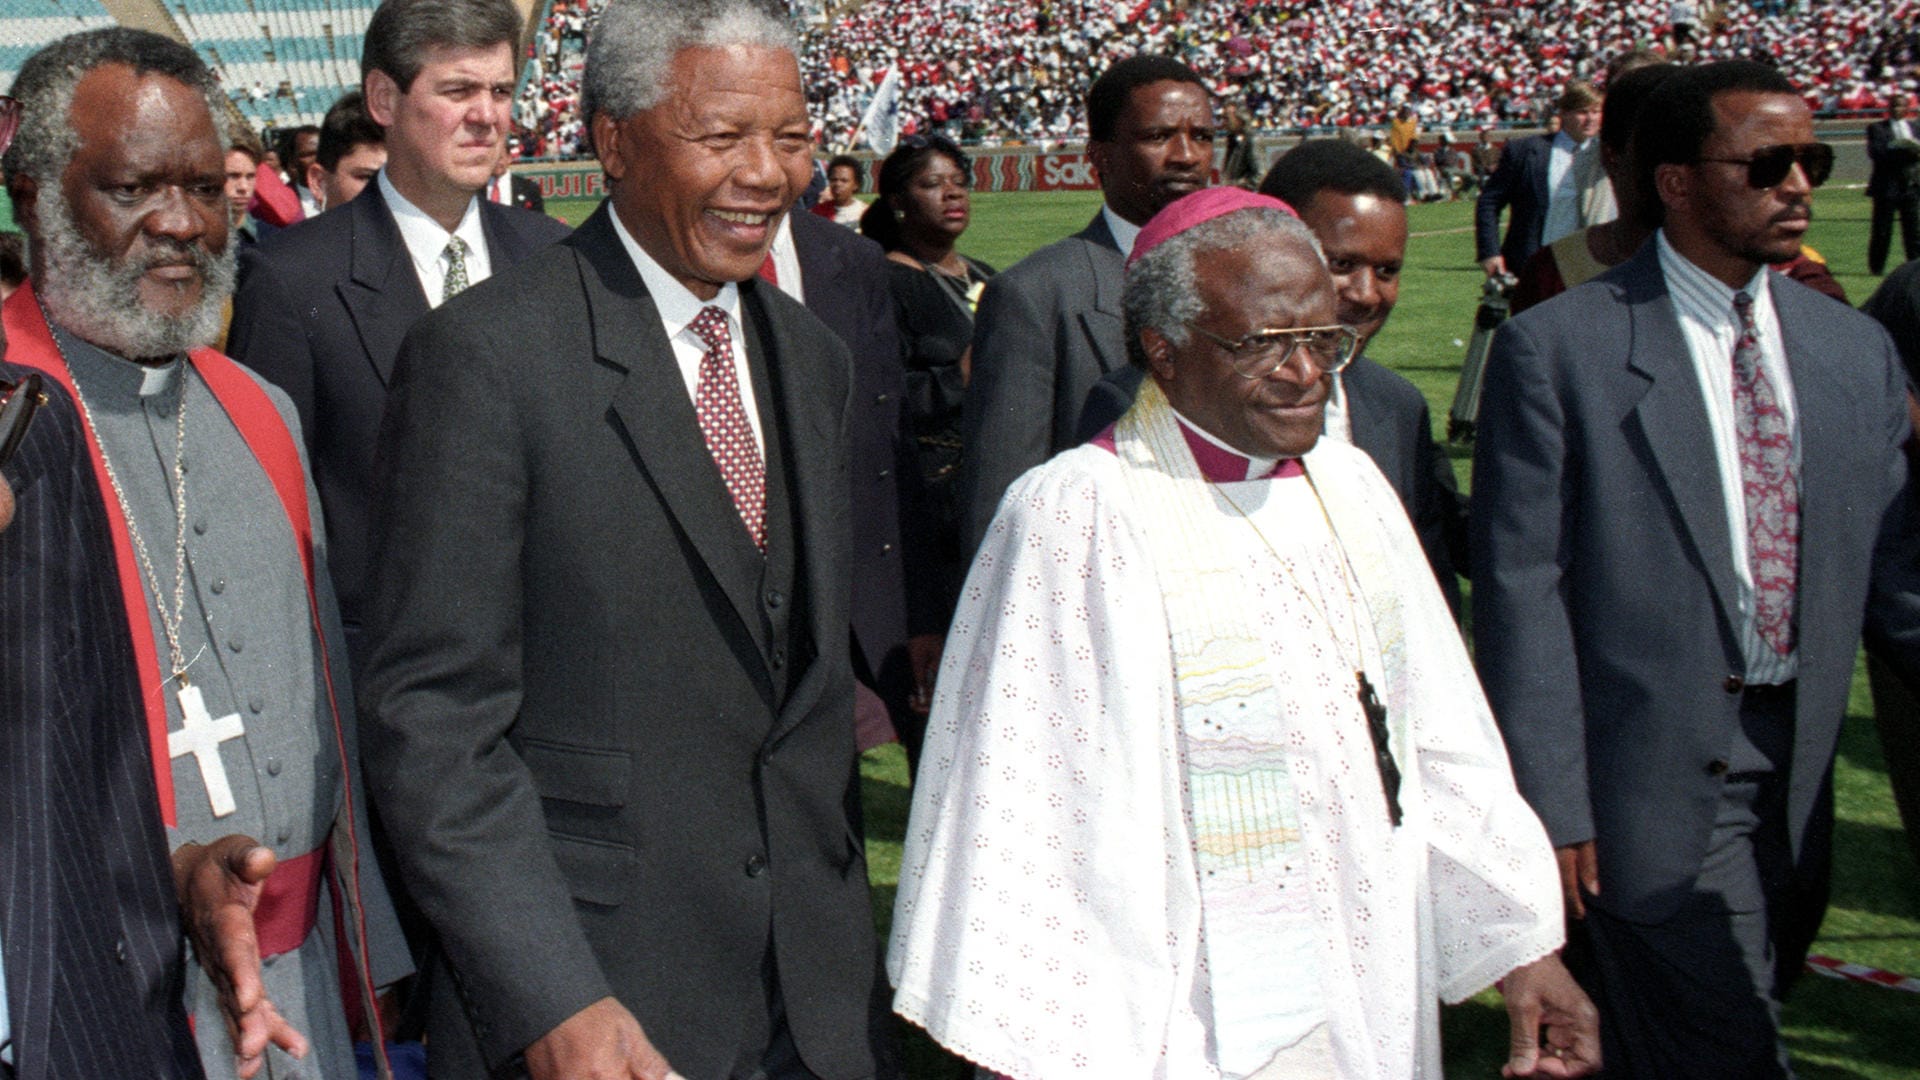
9,120
1769,165
1264,352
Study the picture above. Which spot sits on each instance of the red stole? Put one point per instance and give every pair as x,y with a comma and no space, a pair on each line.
30,344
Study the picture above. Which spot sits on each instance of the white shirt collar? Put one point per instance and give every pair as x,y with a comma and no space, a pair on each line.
1683,276
426,240
1124,231
677,305
786,259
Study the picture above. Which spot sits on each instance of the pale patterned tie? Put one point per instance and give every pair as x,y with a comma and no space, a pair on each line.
456,253
1771,484
723,423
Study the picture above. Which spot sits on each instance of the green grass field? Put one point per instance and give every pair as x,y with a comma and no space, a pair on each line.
1837,1031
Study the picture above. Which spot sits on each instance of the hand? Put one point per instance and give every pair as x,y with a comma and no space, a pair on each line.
1543,994
1579,873
219,886
923,653
1494,266
600,1042
6,504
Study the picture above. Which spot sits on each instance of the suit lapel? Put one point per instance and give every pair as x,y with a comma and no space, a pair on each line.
382,294
653,410
1827,443
1105,274
808,429
1672,418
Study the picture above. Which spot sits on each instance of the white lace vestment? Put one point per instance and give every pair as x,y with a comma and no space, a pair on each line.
1048,921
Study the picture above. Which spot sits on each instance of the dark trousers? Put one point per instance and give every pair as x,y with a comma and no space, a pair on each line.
1880,237
1698,995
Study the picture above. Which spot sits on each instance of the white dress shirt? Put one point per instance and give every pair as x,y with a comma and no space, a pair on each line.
1124,231
786,260
427,242
1563,194
1704,305
678,308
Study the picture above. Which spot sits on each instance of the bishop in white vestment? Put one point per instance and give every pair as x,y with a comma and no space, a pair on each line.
1210,789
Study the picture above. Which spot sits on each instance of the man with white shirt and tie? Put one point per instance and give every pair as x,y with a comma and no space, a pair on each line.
1549,184
324,306
1689,499
609,702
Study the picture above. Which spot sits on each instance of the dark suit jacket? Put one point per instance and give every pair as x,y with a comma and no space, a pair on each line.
321,314
1605,624
844,278
1894,176
1391,424
94,965
613,757
1896,304
526,194
1047,330
1519,184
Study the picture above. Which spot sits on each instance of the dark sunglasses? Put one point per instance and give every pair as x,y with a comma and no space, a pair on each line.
1769,165
9,120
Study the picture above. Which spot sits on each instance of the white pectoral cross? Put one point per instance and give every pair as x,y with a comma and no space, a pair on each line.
201,735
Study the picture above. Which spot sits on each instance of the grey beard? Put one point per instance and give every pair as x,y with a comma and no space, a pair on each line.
98,299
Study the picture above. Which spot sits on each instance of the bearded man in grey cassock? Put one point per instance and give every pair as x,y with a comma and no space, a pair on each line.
1209,788
117,177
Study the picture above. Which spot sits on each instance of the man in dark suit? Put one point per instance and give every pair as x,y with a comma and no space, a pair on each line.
1686,507
1893,146
609,702
324,306
1048,328
512,189
1538,181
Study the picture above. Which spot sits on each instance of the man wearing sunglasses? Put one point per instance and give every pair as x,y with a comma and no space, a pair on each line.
1212,628
1689,493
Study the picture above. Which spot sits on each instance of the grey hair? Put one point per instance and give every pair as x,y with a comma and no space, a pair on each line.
1163,288
633,43
402,33
46,141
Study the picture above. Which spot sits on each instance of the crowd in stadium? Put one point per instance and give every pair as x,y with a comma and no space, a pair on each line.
1004,71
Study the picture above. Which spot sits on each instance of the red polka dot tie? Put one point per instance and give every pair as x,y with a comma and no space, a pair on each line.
723,423
1771,483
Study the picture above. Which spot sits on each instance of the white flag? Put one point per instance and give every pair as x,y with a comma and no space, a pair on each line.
881,121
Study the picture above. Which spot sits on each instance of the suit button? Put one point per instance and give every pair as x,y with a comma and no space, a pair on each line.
766,756
273,766
254,704
1716,767
775,598
756,864
882,399
779,658
236,643
1734,684
219,586
886,549
884,473
200,527
120,950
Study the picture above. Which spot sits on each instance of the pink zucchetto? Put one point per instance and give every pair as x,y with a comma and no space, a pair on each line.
1198,208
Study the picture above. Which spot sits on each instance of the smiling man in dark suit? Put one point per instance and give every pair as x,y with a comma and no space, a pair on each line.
324,306
1689,498
609,703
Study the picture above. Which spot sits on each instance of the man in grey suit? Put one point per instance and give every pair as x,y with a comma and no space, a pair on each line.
323,305
609,701
1689,499
1048,328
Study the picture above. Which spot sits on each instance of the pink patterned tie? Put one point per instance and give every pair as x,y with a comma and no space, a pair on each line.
1772,486
723,423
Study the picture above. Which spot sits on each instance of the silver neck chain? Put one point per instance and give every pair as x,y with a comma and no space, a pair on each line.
170,621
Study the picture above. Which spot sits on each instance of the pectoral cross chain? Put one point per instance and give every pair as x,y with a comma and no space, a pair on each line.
1382,752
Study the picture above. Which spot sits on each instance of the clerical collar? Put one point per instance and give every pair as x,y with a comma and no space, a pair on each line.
109,379
1124,232
1218,462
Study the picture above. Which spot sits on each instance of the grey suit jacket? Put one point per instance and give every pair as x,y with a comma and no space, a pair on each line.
1046,331
1604,591
613,758
321,312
